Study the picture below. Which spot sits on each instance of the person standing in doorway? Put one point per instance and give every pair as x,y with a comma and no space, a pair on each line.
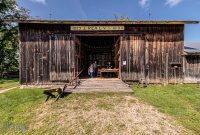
95,68
91,70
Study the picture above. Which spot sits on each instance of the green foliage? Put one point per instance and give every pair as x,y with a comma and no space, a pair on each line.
10,10
9,55
179,101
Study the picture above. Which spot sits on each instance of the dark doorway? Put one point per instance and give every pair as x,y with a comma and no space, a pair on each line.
104,50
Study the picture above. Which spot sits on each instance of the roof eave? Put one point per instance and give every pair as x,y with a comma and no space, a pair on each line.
104,21
191,54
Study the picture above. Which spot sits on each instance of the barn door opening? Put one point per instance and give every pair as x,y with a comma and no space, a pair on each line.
62,58
104,50
132,57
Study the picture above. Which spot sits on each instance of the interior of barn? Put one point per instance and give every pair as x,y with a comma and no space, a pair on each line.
104,50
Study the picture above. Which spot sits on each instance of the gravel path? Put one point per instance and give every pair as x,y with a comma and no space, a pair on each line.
2,91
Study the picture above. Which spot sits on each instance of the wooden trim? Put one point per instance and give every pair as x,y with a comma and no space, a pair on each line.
103,22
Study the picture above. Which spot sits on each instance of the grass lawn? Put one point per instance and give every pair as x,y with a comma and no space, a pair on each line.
8,83
180,101
16,107
25,112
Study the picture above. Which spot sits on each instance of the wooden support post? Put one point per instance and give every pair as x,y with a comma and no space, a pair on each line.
184,66
120,57
166,69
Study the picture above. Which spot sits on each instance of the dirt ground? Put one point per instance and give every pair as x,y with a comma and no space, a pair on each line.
102,114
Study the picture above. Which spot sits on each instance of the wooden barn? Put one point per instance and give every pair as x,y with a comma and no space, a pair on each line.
54,51
191,64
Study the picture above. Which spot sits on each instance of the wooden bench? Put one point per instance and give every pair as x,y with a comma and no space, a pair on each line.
101,71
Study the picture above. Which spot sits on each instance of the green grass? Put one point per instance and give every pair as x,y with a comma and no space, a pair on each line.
180,101
21,108
8,83
16,107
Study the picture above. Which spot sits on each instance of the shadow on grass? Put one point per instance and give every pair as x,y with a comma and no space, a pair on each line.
57,97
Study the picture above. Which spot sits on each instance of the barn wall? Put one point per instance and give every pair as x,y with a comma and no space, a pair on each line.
149,51
132,57
46,58
191,69
152,54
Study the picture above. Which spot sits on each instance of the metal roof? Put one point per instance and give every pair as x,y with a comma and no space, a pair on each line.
193,45
191,51
104,21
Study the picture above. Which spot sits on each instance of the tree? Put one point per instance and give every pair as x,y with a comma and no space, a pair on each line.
9,34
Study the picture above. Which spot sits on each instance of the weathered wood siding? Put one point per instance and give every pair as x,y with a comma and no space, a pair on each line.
46,58
191,68
62,59
152,54
132,57
48,54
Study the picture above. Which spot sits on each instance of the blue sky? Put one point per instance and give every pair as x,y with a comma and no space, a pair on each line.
106,9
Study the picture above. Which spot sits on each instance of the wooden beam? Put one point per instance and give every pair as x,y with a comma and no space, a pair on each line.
104,22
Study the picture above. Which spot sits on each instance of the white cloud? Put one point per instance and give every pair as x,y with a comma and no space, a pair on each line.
39,1
173,3
144,3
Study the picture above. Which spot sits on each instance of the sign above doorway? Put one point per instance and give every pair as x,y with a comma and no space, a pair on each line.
96,28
